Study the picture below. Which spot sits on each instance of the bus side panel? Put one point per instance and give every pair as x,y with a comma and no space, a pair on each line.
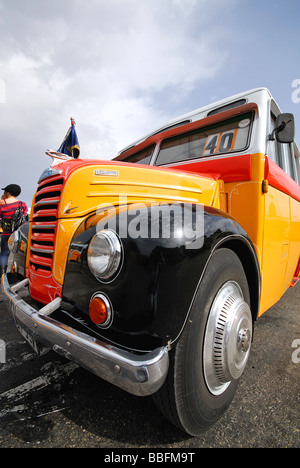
277,249
246,203
272,221
294,255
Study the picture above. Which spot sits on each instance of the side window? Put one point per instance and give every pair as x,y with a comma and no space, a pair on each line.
297,163
272,146
291,162
298,169
142,157
286,156
282,154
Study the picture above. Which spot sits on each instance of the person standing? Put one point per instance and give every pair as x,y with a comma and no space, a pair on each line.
8,205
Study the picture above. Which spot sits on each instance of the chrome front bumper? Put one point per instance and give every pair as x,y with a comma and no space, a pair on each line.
137,374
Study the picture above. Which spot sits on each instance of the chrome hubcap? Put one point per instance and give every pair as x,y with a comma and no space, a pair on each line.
227,338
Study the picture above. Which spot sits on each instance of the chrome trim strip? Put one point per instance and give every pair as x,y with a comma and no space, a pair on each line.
46,202
138,374
43,226
48,251
150,185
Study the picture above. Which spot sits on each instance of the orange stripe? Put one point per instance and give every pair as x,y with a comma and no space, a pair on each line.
218,143
233,140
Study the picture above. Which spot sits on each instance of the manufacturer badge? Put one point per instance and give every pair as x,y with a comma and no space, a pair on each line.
104,172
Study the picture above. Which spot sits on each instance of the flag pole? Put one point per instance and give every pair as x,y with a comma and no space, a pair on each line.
72,123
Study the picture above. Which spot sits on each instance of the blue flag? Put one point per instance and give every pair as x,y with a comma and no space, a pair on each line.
70,145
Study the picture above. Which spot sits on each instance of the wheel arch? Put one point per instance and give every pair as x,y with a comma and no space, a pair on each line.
247,256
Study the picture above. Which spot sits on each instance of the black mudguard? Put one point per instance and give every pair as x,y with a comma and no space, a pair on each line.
152,294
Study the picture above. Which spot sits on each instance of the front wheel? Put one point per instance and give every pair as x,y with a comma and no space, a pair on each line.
213,350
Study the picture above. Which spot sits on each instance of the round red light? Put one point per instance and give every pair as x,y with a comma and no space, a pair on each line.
99,311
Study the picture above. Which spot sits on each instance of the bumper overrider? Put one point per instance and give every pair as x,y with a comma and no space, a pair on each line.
138,374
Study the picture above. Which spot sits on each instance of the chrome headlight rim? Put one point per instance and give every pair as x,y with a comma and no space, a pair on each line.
109,309
14,242
105,268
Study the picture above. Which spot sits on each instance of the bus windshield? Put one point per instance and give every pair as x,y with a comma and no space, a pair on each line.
225,137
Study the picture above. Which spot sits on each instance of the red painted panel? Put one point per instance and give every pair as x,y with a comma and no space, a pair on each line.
43,287
277,178
229,169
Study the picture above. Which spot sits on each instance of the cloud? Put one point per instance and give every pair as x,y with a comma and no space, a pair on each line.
104,63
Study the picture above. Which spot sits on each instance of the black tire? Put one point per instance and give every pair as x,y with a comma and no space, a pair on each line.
185,398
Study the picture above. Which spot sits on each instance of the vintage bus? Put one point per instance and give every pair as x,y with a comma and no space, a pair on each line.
150,270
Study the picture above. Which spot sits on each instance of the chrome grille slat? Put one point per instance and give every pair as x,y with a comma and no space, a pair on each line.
47,202
34,249
44,226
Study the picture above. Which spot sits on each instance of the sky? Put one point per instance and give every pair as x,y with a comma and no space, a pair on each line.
122,68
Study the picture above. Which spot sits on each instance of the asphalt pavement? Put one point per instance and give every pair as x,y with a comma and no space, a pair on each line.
49,402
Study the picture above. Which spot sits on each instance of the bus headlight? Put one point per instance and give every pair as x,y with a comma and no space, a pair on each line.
104,254
14,242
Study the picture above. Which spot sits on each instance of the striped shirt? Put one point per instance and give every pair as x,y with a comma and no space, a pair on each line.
7,211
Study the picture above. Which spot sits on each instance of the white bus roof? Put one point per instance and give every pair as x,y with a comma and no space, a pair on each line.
256,95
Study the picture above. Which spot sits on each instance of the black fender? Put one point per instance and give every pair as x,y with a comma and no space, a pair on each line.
154,290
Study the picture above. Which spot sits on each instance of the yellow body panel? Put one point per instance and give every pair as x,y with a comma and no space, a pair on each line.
65,230
276,247
86,192
246,203
133,184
